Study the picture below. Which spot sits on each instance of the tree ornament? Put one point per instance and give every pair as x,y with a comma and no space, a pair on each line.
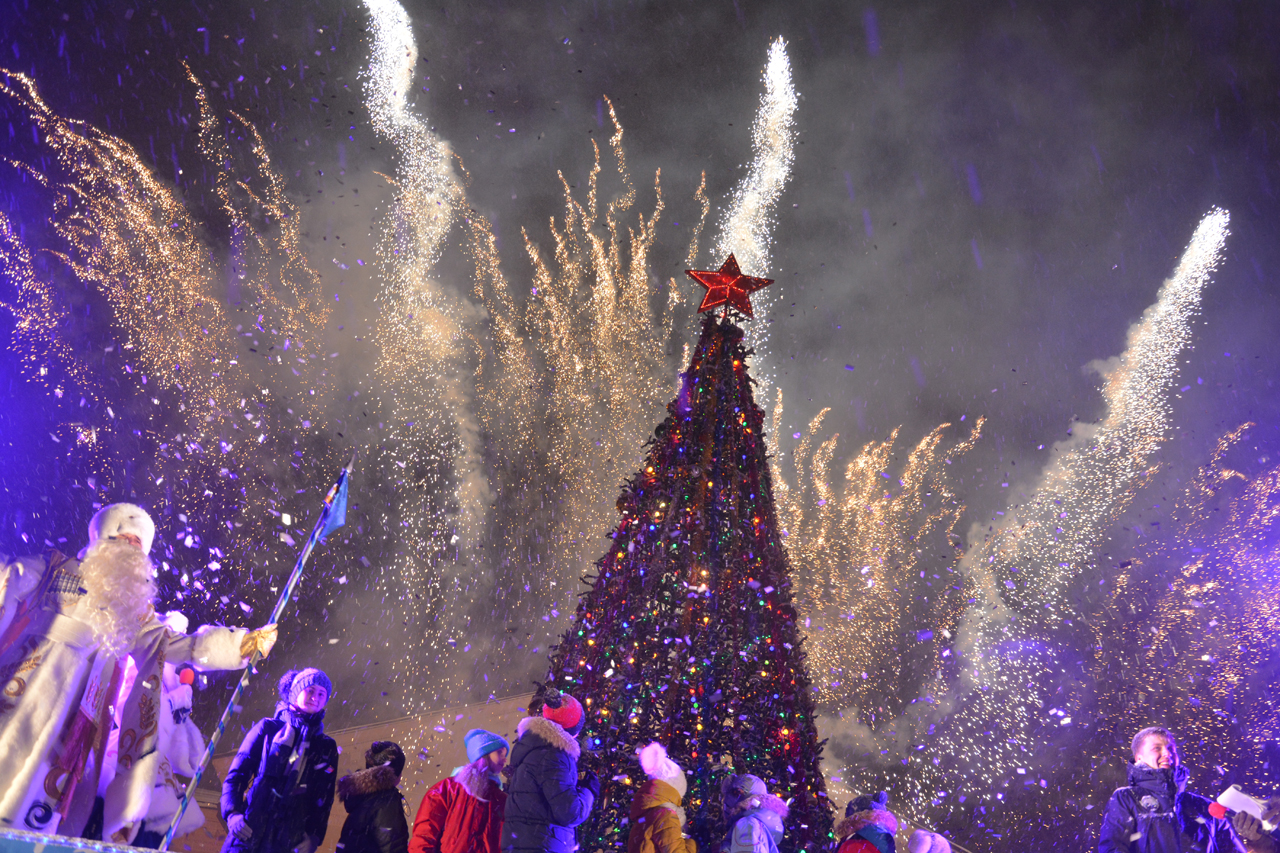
727,286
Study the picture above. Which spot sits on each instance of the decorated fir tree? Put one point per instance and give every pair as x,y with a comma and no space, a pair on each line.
688,635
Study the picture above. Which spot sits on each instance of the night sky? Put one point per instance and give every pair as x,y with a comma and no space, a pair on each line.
984,197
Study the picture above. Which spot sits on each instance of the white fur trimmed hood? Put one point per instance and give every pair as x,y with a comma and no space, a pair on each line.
477,783
882,818
552,733
367,781
757,803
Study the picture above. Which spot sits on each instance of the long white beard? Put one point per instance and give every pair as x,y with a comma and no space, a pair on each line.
118,578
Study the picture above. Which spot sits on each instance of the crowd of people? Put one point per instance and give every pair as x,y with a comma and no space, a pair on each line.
96,693
545,797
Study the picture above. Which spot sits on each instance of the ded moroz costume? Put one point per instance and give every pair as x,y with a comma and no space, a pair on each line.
68,628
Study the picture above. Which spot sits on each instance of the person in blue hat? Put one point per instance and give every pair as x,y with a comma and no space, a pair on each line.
463,813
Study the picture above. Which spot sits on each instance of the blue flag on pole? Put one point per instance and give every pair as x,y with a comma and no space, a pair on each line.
337,510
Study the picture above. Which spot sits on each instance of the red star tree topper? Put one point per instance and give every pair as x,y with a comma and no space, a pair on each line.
727,285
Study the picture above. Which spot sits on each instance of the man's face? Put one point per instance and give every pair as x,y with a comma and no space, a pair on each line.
1157,751
494,761
311,699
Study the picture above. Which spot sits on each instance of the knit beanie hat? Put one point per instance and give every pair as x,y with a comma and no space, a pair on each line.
737,790
865,803
563,710
114,519
480,743
385,752
294,682
656,764
924,841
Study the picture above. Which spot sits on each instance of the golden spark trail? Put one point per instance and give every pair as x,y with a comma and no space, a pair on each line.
1009,663
433,452
37,314
858,551
746,228
133,239
971,725
577,374
206,409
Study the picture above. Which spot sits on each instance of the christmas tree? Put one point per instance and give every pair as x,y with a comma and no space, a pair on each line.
688,635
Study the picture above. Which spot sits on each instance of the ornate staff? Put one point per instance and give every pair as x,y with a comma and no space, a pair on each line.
332,516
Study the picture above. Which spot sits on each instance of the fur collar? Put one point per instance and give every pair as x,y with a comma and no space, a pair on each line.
654,794
763,802
871,817
368,781
476,782
552,733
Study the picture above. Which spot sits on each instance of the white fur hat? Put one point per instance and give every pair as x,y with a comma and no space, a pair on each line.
924,841
655,763
114,519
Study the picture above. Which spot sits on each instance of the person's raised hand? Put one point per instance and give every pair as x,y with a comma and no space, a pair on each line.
260,641
1247,826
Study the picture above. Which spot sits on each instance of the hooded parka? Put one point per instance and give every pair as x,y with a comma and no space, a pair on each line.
759,829
656,819
544,800
375,812
868,831
1156,813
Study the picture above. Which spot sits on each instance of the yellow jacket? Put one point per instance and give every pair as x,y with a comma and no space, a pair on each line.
655,821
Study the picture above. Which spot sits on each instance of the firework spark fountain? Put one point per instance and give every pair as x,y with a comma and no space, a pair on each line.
856,551
1006,659
746,230
433,450
216,411
567,382
576,376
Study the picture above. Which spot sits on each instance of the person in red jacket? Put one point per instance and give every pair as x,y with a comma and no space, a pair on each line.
868,826
463,813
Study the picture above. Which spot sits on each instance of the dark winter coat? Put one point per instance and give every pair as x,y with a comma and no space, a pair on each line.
759,828
1155,813
544,802
869,831
283,803
655,821
375,812
460,814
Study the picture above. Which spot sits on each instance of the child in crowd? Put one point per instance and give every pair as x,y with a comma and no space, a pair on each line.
180,746
375,807
279,788
868,826
463,813
657,818
754,815
545,800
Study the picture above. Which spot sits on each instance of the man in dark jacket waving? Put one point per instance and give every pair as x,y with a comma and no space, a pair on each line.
1156,813
545,800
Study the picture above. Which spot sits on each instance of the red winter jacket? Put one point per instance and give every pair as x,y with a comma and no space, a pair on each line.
460,814
857,845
